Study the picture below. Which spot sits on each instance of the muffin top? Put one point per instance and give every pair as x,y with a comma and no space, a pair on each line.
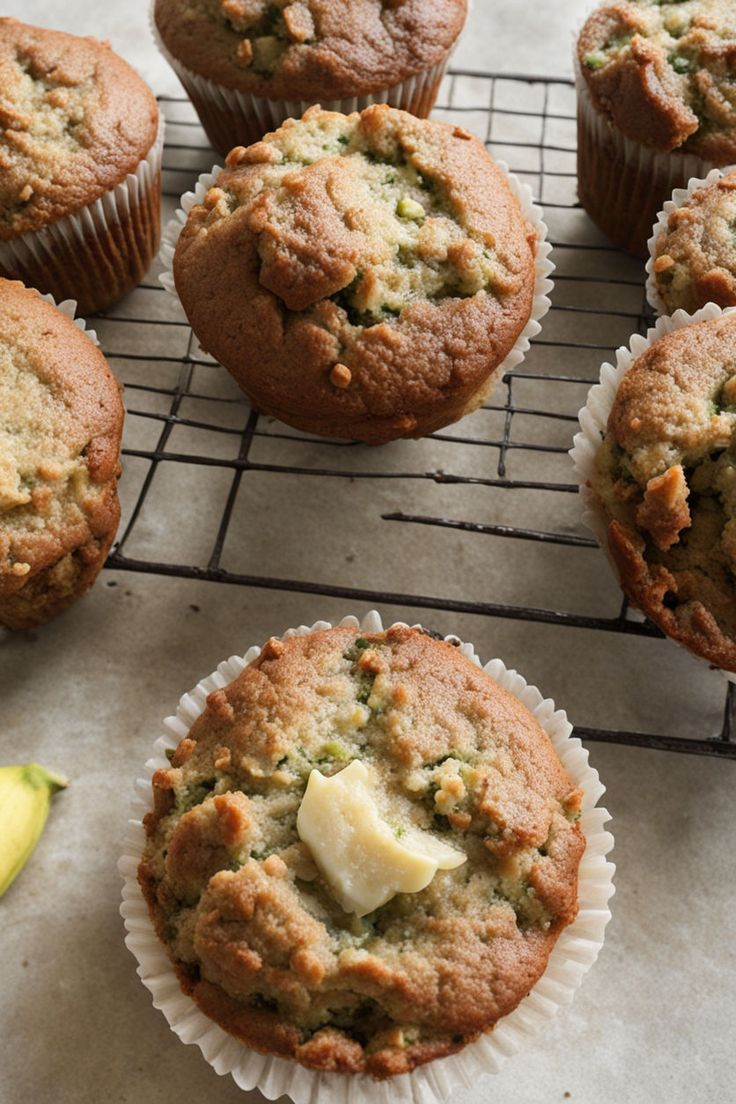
257,932
377,265
695,252
74,121
309,49
60,423
663,72
666,478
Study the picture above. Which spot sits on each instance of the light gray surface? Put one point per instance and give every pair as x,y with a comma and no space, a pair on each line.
85,696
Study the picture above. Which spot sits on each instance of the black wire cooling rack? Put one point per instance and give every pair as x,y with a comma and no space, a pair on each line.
497,489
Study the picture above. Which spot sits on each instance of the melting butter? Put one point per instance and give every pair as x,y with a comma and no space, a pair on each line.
362,859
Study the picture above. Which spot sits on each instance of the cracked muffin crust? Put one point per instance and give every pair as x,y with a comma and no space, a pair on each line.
360,276
656,106
258,939
309,50
75,120
694,259
61,419
666,481
247,65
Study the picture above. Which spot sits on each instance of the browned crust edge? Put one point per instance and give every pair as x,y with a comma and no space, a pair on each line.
64,562
710,280
648,585
51,591
266,1032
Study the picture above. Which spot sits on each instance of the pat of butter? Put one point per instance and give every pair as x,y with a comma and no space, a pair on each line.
357,852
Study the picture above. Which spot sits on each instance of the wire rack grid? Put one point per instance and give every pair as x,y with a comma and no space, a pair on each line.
494,493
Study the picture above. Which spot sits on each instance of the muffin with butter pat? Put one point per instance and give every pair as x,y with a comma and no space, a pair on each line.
362,853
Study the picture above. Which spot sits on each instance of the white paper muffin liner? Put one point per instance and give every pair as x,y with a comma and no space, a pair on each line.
234,118
86,231
68,307
574,953
650,174
680,197
593,418
533,214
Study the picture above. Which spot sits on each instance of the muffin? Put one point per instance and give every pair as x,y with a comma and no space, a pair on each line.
265,929
80,167
248,65
663,482
61,418
361,276
656,106
693,250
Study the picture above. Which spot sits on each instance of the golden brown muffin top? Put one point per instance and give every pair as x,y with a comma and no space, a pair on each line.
309,49
61,419
666,478
74,121
377,245
662,72
260,941
695,252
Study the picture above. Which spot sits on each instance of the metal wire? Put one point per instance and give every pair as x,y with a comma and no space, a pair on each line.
521,127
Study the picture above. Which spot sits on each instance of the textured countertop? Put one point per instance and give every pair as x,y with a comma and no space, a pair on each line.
653,1020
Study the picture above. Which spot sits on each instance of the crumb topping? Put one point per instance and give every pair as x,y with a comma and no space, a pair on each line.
269,27
344,213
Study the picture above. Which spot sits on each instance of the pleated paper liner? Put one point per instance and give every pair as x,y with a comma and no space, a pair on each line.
622,184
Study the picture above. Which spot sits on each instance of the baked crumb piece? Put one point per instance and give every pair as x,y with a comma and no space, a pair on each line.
341,376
